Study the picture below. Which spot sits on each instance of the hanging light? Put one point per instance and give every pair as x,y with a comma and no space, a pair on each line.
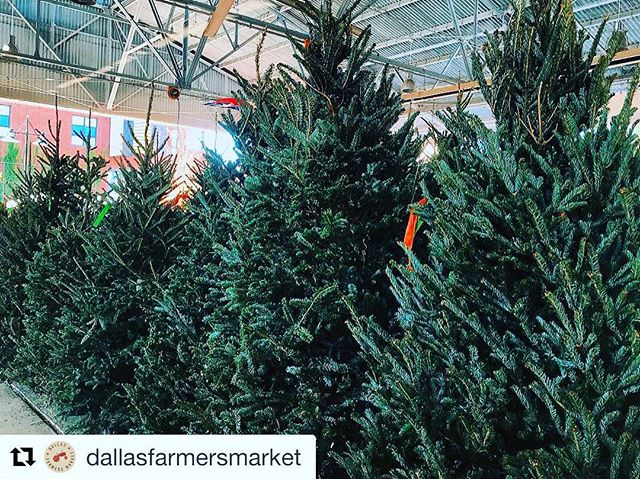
10,137
625,41
408,85
625,35
84,2
11,46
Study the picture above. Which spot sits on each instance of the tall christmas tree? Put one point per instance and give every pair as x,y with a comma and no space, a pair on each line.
520,354
169,379
48,273
172,393
314,224
109,291
60,189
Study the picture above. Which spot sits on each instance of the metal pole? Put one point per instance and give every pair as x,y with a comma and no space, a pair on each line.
27,149
166,39
185,47
37,51
456,26
145,39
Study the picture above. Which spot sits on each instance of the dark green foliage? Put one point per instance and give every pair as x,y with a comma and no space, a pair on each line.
314,224
169,379
537,69
520,355
174,393
59,190
109,292
49,274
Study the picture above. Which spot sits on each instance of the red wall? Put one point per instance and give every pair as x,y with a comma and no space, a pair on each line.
40,115
184,140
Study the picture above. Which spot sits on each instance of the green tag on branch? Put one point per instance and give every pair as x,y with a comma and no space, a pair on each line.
102,214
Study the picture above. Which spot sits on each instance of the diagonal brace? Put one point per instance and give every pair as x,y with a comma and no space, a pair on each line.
140,32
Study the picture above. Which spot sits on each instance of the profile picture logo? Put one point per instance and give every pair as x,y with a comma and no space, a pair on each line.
60,456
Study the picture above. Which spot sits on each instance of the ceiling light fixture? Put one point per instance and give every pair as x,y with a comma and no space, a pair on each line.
408,85
11,46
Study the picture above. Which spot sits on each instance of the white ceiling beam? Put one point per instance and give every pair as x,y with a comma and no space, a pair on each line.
124,58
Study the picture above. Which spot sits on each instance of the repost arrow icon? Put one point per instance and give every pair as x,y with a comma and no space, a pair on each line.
16,452
29,451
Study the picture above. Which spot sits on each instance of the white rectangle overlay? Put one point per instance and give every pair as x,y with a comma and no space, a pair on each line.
157,456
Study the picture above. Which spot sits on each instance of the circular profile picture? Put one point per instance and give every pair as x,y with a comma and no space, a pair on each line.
60,456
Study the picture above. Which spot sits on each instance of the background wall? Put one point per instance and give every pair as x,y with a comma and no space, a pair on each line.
186,143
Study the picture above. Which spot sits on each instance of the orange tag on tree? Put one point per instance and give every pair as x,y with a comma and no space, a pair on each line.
410,232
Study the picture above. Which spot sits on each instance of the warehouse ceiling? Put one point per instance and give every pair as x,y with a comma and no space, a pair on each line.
108,55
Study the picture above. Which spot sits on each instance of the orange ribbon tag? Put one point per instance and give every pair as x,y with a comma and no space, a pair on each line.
410,232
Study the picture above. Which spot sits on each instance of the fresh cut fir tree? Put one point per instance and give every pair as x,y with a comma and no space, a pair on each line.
313,225
520,352
169,392
110,291
47,276
60,189
172,391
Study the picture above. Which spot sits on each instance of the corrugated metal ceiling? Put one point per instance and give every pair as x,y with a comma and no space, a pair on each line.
417,33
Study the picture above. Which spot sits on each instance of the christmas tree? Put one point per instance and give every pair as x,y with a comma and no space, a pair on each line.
59,190
314,223
172,392
169,392
520,354
108,293
47,275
